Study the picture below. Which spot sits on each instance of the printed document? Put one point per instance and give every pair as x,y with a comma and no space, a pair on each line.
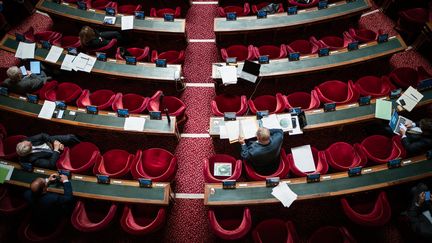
47,110
127,22
248,128
284,194
409,99
228,74
233,130
54,54
25,50
67,63
303,158
134,124
271,122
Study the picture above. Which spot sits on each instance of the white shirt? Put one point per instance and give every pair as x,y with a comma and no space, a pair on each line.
38,148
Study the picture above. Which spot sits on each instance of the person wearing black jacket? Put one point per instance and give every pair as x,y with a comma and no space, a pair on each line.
420,212
93,39
417,143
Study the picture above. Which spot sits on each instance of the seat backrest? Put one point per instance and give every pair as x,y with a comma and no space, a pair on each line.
239,51
334,90
115,160
299,99
228,103
265,102
101,97
379,146
341,153
271,230
81,153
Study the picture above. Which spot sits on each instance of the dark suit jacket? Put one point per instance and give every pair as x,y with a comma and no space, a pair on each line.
28,84
41,159
419,223
416,144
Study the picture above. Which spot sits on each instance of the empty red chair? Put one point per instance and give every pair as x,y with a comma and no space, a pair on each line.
171,57
341,156
319,159
368,213
11,202
236,168
126,8
335,91
239,10
281,172
50,36
102,99
161,12
333,42
259,6
274,104
156,164
304,47
331,234
303,100
175,106
133,102
381,149
229,103
404,77
108,49
139,53
241,52
272,51
93,216
114,163
98,4
275,231
68,41
67,92
373,86
8,147
80,158
363,35
140,220
32,230
303,5
230,223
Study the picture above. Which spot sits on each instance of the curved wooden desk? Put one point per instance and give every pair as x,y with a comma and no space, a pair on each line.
85,186
337,59
375,177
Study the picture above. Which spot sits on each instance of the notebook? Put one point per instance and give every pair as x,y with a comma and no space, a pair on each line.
250,71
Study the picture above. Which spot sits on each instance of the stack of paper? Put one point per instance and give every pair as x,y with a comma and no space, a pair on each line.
47,110
54,54
67,63
248,128
233,130
5,172
284,194
303,158
25,50
83,62
383,109
134,124
127,22
409,99
228,74
271,122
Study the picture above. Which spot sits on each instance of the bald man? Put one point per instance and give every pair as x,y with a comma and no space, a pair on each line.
264,153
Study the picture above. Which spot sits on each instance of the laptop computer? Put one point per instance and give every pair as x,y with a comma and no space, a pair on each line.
250,71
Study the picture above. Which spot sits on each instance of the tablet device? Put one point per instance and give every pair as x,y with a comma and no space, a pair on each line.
19,37
101,56
72,51
314,177
272,181
81,5
91,109
61,105
46,45
110,11
365,100
322,4
103,179
329,107
231,61
355,171
32,98
146,183
130,60
35,67
229,184
394,163
229,116
23,70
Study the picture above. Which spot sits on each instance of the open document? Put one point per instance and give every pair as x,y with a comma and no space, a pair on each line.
409,99
248,128
25,50
233,130
284,194
271,122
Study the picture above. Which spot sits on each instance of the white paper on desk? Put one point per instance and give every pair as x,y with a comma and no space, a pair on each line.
248,128
303,158
127,22
383,109
54,54
233,130
134,124
80,62
271,122
297,130
411,97
284,194
228,74
285,122
67,63
223,132
47,110
90,63
25,50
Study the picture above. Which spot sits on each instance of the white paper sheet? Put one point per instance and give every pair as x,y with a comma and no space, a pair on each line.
233,130
223,132
271,122
248,128
284,194
383,109
411,97
54,54
303,158
285,122
228,74
127,22
80,61
89,66
67,63
25,50
134,124
47,110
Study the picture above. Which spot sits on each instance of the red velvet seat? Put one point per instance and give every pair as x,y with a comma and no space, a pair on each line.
11,201
335,91
126,8
141,54
99,4
31,230
373,86
156,164
258,6
275,231
236,168
303,100
381,149
303,5
230,223
109,49
319,159
68,41
8,147
274,104
80,158
241,52
333,42
274,52
116,163
304,47
331,234
175,106
67,92
239,10
161,12
48,35
404,77
91,216
363,35
341,156
133,102
102,99
368,213
172,57
229,103
281,172
141,220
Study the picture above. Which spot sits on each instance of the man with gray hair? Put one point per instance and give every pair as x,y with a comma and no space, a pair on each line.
22,84
263,154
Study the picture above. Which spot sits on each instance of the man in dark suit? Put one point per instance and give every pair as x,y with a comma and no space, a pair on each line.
264,153
416,143
420,212
43,150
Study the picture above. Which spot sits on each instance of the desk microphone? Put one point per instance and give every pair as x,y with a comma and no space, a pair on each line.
167,115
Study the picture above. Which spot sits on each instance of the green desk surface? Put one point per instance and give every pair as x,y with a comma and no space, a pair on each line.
337,184
282,20
366,52
86,186
149,24
100,121
147,71
343,115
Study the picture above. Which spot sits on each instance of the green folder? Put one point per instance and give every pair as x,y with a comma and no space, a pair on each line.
383,109
3,174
